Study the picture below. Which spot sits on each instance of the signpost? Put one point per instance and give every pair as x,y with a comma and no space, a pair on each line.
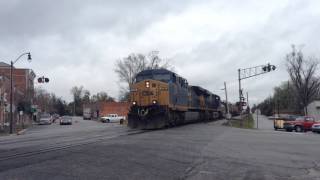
257,112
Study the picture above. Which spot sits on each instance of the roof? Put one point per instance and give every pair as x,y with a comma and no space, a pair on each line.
3,64
199,90
155,71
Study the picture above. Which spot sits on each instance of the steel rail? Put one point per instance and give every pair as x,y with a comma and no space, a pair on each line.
66,145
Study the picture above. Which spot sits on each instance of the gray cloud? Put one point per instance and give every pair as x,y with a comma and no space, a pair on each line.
36,18
77,43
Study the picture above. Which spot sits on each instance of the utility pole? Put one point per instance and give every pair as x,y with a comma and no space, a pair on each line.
248,100
227,105
240,92
240,98
248,110
11,98
257,111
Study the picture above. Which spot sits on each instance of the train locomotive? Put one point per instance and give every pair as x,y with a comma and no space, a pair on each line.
161,98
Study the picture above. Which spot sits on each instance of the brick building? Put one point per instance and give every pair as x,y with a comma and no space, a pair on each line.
99,109
4,92
23,89
120,108
22,78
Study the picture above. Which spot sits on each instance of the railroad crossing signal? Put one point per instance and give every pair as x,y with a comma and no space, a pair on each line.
251,72
268,68
43,80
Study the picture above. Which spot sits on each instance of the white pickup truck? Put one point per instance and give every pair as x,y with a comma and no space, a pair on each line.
112,118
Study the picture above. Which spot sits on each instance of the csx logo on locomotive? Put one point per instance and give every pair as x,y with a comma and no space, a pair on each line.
161,98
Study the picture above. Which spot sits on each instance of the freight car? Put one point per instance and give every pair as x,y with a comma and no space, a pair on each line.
160,98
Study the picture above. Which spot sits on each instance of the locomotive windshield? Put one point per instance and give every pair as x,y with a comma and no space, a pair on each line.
160,75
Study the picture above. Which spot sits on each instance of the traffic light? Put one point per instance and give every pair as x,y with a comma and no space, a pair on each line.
43,80
269,68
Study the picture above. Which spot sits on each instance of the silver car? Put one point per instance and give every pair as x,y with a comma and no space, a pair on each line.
66,120
316,127
45,119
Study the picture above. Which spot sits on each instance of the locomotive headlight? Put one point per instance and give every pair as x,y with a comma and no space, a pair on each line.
147,84
154,102
134,103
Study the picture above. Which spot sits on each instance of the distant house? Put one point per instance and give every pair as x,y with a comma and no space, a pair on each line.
314,109
99,109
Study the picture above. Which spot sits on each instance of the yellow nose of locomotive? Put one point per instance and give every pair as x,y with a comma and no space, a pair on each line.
149,92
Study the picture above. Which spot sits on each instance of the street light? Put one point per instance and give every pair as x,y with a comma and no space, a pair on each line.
11,87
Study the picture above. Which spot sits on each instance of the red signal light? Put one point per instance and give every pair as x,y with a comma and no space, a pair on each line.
40,80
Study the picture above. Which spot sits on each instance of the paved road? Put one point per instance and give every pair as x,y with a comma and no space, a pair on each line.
263,122
196,151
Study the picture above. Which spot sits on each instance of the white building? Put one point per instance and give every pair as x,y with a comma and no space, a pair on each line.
314,109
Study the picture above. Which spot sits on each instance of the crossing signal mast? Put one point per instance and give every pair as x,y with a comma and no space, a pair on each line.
248,73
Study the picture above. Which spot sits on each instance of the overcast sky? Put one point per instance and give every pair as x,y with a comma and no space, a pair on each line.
77,42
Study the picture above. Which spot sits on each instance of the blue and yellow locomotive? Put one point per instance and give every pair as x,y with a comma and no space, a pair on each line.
160,98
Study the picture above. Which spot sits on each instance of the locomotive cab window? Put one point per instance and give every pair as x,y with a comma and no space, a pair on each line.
162,77
174,78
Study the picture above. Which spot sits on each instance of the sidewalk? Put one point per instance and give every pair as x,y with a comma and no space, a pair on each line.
17,131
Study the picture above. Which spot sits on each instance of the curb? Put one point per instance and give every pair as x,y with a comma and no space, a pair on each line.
21,132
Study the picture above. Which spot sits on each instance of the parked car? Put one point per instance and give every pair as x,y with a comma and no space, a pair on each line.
112,118
278,122
66,120
45,119
301,124
316,128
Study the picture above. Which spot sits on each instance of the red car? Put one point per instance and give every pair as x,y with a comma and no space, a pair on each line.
301,124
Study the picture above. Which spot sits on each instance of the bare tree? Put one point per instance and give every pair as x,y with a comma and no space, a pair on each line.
127,68
302,72
49,102
77,93
86,96
102,97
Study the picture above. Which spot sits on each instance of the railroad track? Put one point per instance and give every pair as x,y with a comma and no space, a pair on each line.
66,145
35,138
